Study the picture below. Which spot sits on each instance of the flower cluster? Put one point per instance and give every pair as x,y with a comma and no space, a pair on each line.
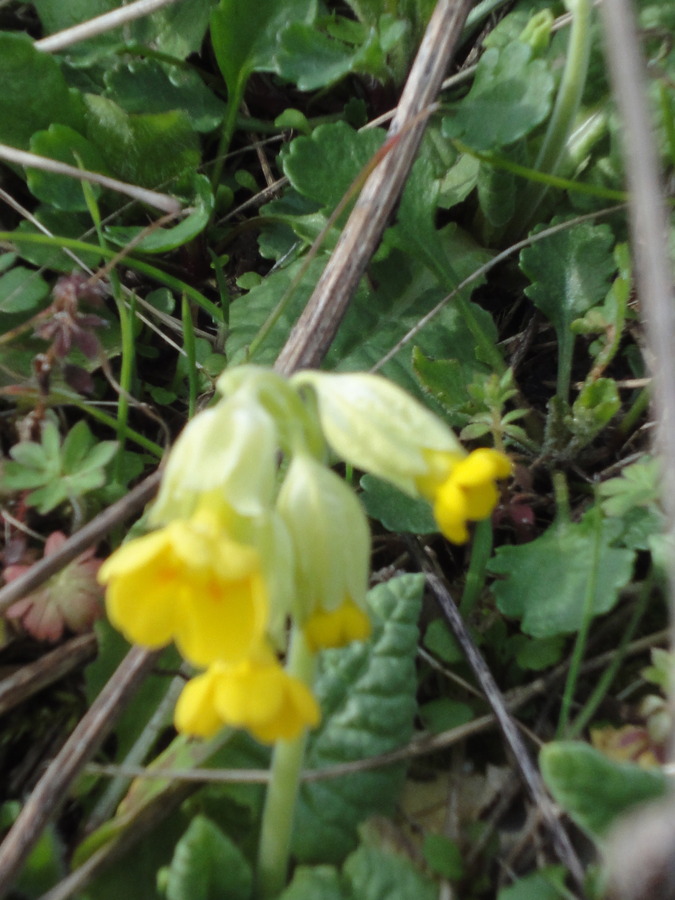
253,530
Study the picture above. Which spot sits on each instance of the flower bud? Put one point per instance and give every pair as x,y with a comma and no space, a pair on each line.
331,541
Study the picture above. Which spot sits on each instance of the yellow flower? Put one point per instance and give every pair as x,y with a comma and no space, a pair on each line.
468,491
337,627
376,426
256,694
188,581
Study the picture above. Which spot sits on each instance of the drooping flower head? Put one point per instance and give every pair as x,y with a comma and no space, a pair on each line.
331,542
189,582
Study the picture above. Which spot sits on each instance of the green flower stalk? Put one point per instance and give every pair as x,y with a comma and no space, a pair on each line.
565,110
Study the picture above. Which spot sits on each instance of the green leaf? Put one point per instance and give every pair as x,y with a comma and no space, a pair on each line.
638,485
316,883
443,856
440,641
367,696
592,788
147,86
246,38
34,92
207,865
324,165
444,713
176,30
370,873
21,290
162,240
394,509
570,273
59,471
377,874
546,884
547,580
540,653
65,145
448,382
147,150
312,59
510,96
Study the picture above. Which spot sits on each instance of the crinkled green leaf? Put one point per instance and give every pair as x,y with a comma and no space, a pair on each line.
34,92
546,580
207,865
394,509
148,149
594,789
367,696
510,96
65,145
21,290
161,240
147,86
324,165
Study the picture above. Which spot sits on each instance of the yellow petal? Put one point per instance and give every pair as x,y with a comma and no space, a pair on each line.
451,512
266,701
219,620
195,711
337,627
149,623
480,467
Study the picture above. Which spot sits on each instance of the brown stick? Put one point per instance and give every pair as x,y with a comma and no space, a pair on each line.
77,543
528,771
313,333
52,788
33,677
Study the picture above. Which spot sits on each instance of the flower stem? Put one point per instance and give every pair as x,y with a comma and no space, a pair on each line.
287,758
566,107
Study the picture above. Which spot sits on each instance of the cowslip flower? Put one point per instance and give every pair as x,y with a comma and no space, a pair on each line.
70,599
256,694
464,490
228,452
190,582
378,427
331,542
